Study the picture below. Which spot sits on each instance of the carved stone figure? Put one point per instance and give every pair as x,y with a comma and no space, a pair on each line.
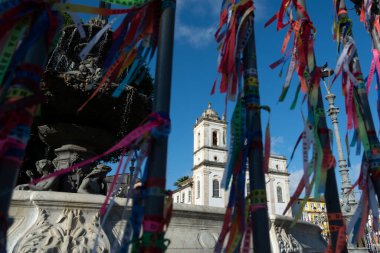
84,179
99,125
44,167
72,232
94,182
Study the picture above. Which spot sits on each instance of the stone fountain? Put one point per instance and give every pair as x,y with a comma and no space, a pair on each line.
62,134
60,215
67,220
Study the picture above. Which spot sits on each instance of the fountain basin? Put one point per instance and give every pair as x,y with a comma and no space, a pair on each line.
193,229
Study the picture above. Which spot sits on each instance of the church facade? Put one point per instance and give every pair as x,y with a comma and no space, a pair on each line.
209,160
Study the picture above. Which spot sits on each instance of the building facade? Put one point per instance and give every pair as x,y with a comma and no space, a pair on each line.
209,160
314,212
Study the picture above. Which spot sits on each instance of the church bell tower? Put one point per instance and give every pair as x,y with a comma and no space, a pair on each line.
209,158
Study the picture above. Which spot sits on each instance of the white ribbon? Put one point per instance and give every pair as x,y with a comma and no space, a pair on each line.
373,205
345,58
291,69
95,40
78,24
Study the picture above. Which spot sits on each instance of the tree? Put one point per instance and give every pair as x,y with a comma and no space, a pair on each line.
180,180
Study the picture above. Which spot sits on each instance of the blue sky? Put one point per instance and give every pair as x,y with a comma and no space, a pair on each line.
194,72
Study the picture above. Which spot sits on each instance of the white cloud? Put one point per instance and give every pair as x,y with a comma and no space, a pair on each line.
294,178
354,172
261,10
195,36
275,143
203,34
199,6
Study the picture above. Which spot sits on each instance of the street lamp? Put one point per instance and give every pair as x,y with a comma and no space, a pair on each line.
348,198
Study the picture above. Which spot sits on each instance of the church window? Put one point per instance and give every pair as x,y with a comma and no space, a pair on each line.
189,200
215,158
198,189
177,198
183,198
279,194
224,138
215,188
214,138
199,140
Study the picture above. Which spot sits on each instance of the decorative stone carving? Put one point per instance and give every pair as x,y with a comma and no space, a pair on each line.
70,232
94,182
286,242
42,222
83,180
86,76
68,81
44,167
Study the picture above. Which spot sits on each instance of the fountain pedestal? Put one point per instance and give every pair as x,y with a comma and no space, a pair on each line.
68,222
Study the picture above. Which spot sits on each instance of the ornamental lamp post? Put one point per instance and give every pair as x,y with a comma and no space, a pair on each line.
331,192
349,202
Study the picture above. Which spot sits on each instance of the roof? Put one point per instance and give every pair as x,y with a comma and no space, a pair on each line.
211,115
184,184
322,200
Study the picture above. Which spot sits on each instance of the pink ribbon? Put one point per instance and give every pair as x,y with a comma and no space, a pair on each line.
375,64
247,237
125,142
110,191
151,226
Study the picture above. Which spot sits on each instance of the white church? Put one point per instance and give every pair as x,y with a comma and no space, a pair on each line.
209,161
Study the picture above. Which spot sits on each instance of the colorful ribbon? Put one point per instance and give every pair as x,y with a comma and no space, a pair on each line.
359,116
302,56
233,36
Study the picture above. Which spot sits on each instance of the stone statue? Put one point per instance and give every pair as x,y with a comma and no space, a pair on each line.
79,181
44,167
66,136
94,182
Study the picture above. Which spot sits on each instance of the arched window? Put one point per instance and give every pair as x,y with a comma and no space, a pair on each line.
215,188
279,194
199,140
177,198
183,198
198,189
189,200
214,138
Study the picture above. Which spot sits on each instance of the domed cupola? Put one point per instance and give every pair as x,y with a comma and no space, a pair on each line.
210,113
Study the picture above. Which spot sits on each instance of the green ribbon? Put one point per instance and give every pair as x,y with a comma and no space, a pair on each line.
363,136
342,22
11,42
283,93
148,240
320,177
236,133
293,106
